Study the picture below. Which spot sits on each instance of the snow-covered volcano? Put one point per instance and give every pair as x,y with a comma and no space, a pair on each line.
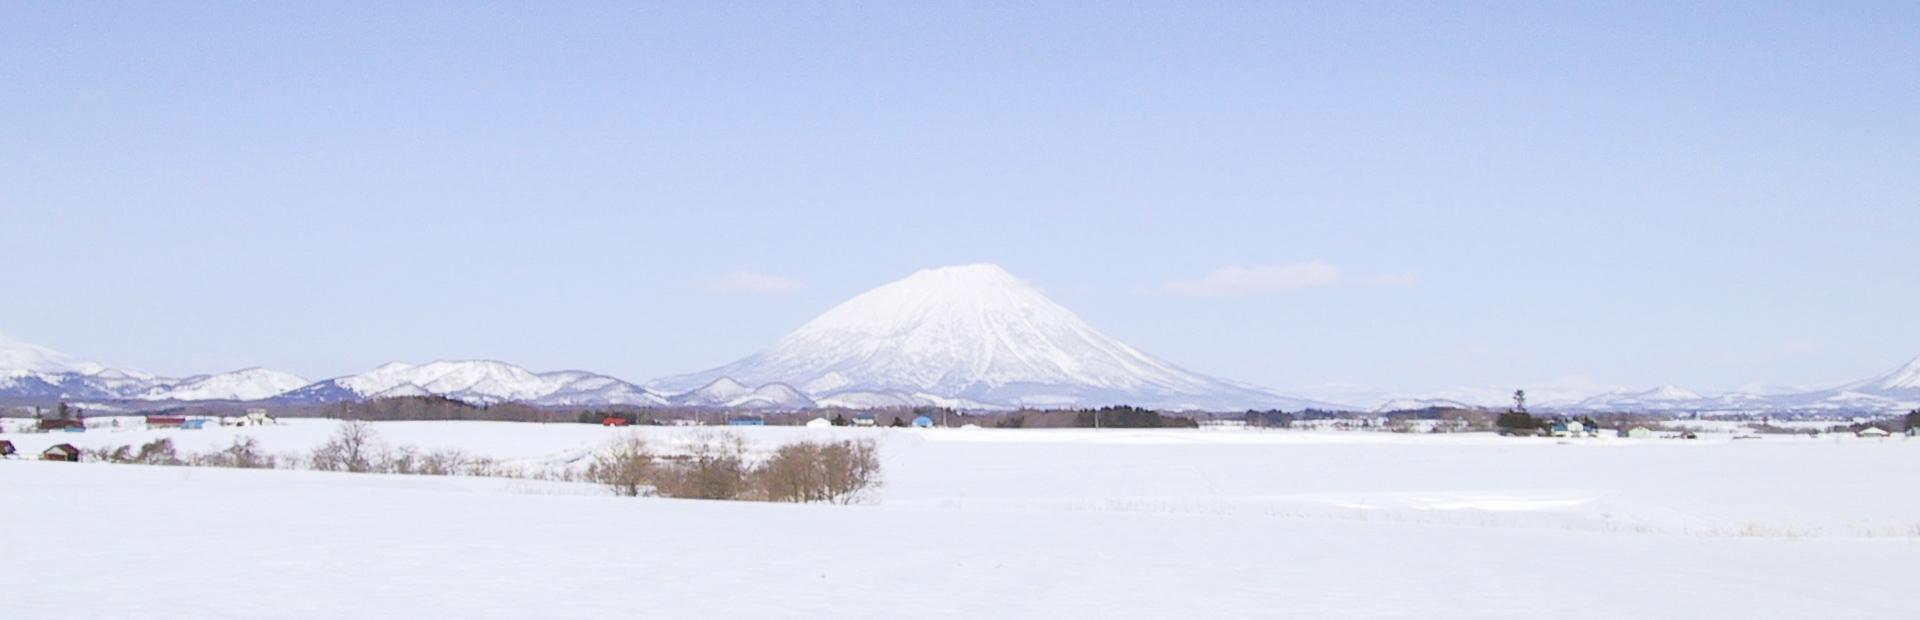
978,334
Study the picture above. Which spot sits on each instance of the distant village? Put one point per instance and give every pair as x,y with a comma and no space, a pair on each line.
1516,421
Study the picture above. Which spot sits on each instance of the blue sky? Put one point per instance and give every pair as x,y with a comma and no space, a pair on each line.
1288,194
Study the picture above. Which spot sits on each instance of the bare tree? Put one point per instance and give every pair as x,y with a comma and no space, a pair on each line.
354,447
625,465
793,474
839,472
852,468
446,462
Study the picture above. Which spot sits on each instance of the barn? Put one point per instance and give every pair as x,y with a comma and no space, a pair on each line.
61,452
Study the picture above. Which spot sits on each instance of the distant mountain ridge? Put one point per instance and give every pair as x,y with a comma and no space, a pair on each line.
480,382
1895,391
34,372
846,358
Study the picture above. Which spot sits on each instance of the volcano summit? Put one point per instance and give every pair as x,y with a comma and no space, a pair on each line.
971,336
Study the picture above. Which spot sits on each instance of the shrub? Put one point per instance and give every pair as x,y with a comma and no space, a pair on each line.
243,453
713,467
448,462
121,454
157,452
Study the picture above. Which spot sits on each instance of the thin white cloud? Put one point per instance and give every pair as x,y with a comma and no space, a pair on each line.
742,282
1235,281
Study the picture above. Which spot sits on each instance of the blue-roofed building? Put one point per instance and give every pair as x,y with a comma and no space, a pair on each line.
746,421
923,422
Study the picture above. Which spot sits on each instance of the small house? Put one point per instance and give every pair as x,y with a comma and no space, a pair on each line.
863,419
254,417
923,422
819,423
1637,432
1872,431
194,424
6,448
61,452
165,421
615,421
747,421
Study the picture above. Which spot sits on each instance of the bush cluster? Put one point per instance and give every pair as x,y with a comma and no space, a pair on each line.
354,447
244,452
719,466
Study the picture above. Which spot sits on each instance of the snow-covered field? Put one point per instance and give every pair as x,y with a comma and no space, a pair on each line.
985,523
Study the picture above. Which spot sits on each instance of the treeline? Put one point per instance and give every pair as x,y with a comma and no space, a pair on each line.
354,447
1121,416
436,408
703,465
245,452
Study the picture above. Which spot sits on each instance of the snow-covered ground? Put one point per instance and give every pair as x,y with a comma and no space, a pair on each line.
993,523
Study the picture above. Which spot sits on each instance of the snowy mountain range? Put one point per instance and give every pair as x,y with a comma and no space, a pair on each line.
34,372
969,337
973,336
1893,392
482,382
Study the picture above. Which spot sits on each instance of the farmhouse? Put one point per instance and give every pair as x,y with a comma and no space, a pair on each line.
61,452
